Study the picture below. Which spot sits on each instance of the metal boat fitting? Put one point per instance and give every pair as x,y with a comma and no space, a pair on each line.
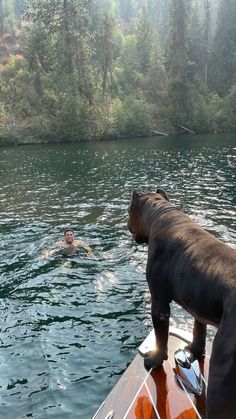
188,373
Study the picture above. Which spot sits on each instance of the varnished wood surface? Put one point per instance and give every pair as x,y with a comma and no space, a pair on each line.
140,394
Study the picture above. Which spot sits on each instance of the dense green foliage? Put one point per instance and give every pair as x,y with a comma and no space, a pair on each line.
83,69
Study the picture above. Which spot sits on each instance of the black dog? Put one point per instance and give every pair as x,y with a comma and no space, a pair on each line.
190,266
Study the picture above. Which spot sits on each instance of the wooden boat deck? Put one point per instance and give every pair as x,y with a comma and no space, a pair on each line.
143,394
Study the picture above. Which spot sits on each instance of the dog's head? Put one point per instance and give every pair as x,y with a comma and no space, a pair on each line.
136,210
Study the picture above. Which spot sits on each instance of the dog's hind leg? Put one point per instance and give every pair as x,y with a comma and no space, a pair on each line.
198,345
221,395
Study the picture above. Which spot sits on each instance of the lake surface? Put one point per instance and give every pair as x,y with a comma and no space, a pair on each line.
69,325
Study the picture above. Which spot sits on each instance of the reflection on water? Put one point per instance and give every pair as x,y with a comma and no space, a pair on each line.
70,325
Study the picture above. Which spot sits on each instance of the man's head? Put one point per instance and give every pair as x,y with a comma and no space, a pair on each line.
69,235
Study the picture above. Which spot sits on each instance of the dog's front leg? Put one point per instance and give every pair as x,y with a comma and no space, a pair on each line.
160,319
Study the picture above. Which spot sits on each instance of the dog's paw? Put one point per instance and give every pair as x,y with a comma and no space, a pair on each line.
155,359
196,352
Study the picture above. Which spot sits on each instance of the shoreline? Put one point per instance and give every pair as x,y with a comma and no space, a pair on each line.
37,141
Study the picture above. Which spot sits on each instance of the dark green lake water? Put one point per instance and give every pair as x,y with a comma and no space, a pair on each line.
70,326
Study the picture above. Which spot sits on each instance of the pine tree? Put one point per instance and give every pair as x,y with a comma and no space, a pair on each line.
105,49
223,58
127,9
178,59
156,78
144,40
108,6
68,23
153,8
158,11
206,37
19,8
196,35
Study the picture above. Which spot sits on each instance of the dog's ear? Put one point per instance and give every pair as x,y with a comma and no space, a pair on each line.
134,198
135,195
163,193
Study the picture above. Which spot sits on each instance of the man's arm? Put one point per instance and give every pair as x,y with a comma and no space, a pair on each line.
87,248
49,252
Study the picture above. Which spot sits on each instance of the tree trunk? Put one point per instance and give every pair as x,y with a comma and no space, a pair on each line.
37,77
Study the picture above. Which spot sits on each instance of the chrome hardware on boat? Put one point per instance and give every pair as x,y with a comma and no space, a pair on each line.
110,415
188,373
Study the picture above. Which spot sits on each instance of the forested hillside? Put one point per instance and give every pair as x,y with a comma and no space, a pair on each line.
90,69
